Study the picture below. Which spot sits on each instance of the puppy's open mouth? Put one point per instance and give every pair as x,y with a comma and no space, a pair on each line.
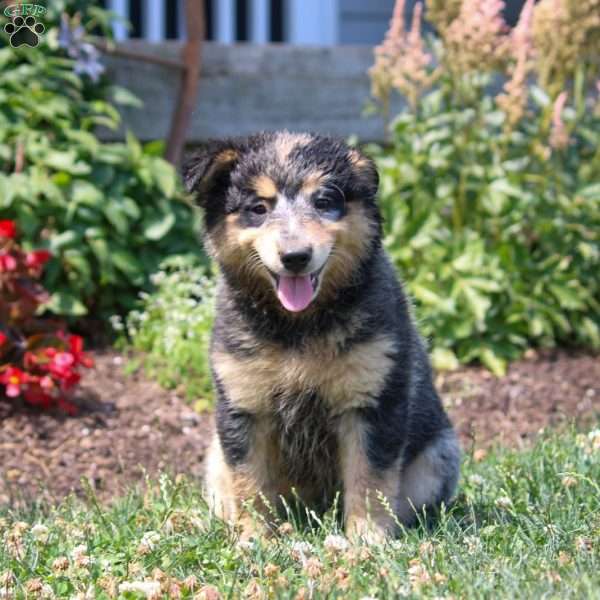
296,292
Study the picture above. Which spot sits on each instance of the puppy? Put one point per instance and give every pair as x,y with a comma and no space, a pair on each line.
323,384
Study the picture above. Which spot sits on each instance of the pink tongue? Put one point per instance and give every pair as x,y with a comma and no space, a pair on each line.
295,293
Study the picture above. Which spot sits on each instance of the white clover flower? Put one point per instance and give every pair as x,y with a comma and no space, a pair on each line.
150,589
477,480
300,551
336,543
503,502
40,533
80,557
473,543
594,438
149,542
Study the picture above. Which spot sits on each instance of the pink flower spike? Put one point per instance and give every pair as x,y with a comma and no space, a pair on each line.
559,137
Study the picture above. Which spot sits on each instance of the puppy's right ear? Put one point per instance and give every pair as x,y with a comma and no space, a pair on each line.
207,173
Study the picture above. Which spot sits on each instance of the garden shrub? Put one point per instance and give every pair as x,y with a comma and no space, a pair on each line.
109,212
39,361
491,196
172,328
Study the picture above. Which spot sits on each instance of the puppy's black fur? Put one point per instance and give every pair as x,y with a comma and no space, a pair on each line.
322,386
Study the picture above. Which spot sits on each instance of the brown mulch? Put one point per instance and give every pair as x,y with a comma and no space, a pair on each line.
546,389
128,427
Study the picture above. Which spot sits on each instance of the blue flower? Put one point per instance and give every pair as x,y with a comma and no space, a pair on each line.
71,37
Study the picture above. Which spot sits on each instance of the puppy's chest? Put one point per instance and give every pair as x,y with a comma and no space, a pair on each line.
305,433
342,380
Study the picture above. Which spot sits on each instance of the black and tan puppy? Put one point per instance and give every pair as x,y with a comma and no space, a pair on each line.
322,380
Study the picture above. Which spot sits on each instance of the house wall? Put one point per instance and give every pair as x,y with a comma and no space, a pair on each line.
246,88
363,22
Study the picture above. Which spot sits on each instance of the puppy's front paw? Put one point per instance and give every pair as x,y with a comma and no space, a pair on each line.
360,529
250,529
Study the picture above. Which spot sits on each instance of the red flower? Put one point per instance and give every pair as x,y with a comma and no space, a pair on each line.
3,339
67,406
13,379
76,347
8,229
62,364
37,258
7,262
38,397
69,380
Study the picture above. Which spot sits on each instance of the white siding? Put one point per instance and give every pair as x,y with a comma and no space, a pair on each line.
312,22
364,22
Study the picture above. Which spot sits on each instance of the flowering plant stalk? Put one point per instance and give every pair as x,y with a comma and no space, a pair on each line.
39,361
489,186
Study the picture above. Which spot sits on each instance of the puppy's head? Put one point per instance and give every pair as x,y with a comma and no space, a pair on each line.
293,214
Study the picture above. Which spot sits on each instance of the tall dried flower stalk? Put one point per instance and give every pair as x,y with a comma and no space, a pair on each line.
476,40
513,99
402,61
559,136
566,34
440,13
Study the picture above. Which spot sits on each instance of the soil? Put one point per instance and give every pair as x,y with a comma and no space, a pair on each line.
128,427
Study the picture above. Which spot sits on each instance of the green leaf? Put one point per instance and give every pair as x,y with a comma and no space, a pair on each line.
591,331
444,359
61,161
493,362
479,303
84,192
568,298
116,215
164,177
591,192
128,264
65,303
64,239
156,229
124,97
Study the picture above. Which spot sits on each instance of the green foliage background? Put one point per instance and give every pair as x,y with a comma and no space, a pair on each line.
110,212
496,236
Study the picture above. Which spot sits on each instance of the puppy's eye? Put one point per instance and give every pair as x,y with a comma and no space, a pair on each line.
259,209
330,203
323,203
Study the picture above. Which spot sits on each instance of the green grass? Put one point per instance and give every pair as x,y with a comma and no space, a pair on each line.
525,525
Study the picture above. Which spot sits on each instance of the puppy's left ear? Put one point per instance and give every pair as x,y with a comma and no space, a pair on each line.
366,178
207,173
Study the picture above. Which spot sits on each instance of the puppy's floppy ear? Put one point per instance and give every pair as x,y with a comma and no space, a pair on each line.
366,178
207,172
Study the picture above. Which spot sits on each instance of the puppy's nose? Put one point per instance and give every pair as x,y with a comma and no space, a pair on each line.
296,260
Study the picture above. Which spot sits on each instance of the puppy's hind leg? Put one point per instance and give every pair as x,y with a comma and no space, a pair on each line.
430,478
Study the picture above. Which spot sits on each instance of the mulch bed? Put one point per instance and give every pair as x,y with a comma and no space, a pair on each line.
128,427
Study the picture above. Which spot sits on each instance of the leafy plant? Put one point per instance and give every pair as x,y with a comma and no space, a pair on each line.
172,328
38,360
491,198
109,212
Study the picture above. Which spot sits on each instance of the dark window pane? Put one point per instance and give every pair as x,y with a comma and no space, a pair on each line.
135,16
171,20
209,15
277,20
241,20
